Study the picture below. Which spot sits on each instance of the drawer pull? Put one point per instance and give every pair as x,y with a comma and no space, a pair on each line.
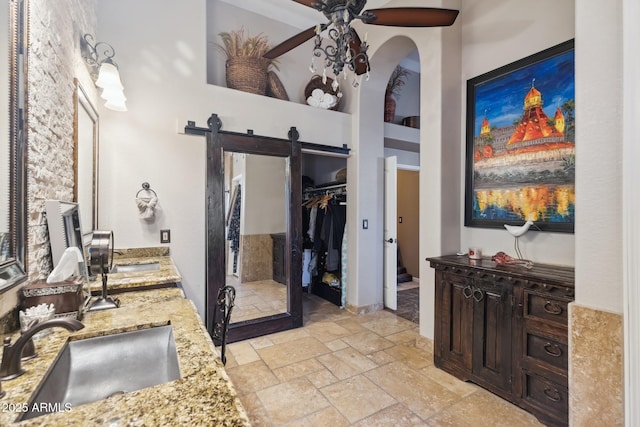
552,349
552,308
467,292
478,295
552,394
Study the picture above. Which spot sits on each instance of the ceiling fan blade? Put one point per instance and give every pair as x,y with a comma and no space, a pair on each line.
306,2
413,17
355,44
290,43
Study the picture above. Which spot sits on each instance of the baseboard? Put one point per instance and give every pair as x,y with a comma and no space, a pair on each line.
365,308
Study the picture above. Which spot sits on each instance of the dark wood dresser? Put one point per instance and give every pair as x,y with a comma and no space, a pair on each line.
279,258
505,329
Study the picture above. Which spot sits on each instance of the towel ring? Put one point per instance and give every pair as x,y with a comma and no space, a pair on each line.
146,187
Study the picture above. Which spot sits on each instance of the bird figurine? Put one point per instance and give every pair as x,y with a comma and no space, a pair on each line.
516,231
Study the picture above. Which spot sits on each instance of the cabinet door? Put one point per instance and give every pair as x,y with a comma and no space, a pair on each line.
492,358
454,322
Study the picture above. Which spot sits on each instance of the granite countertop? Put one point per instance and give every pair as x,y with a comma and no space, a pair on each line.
203,395
166,275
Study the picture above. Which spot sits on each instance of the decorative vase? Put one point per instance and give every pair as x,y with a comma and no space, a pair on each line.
248,73
389,109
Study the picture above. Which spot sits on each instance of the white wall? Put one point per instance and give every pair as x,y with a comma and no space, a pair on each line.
163,68
263,195
496,33
440,153
599,155
631,205
406,158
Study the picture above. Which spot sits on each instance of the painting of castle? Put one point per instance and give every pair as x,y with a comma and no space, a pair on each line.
522,147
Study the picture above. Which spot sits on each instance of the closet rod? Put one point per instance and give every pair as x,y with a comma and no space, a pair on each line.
328,187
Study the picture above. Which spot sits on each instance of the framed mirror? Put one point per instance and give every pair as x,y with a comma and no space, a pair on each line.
254,226
85,160
256,220
13,138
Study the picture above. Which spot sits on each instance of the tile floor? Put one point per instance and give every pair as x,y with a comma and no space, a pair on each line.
408,306
346,370
257,299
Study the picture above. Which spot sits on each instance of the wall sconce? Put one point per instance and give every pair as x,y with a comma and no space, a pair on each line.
99,58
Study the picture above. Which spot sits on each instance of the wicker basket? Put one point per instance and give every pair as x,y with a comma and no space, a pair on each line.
275,88
316,83
248,73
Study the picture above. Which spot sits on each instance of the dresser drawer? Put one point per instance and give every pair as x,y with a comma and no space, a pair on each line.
546,395
547,350
456,278
545,308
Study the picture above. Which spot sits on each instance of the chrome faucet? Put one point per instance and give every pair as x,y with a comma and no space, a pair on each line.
10,367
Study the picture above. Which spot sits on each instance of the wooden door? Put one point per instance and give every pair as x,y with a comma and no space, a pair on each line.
454,323
390,232
492,356
220,142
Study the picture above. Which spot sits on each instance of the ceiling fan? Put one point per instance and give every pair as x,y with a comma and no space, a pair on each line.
350,51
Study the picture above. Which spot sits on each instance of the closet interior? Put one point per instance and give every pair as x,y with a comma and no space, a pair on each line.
324,216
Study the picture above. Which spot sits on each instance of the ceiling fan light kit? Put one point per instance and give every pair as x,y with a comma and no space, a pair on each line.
345,52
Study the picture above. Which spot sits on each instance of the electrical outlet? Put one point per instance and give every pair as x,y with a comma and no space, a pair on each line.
165,236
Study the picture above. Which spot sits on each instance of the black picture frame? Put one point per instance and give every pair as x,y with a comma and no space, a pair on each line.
520,160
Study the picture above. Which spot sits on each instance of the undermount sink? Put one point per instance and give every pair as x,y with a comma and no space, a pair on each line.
92,369
134,268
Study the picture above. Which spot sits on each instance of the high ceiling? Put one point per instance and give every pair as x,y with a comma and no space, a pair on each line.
303,17
290,12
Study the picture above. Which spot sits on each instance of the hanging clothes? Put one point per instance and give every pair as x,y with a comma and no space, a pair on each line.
312,222
335,220
233,231
343,277
324,221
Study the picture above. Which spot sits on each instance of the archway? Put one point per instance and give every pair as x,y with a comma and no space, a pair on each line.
365,264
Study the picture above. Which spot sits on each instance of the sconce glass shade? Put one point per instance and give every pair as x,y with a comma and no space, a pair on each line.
99,56
115,99
116,105
113,94
108,76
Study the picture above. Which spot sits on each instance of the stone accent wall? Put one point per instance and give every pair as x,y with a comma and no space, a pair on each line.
596,368
256,257
54,60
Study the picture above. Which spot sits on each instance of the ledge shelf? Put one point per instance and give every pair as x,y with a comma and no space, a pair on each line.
401,137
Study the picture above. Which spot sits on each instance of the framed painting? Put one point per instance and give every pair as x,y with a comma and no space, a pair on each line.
520,146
